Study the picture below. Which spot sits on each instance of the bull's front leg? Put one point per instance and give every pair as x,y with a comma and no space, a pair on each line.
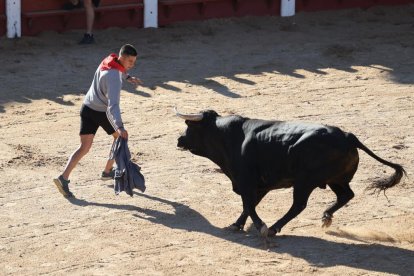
247,185
301,195
249,208
241,221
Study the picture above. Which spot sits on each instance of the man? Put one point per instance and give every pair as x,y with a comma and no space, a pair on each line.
101,109
90,17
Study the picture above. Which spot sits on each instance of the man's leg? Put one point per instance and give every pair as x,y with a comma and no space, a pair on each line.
62,182
90,16
86,144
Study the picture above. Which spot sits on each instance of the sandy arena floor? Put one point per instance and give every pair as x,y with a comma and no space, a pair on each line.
352,68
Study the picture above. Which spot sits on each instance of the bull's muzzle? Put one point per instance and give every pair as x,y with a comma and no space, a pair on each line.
182,143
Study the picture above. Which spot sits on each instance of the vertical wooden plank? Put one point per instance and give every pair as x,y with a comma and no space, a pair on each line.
150,13
287,8
14,27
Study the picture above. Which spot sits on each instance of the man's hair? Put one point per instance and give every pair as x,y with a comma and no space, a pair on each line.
128,50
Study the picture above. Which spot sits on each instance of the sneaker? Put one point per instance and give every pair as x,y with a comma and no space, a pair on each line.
70,6
87,39
63,186
96,3
108,176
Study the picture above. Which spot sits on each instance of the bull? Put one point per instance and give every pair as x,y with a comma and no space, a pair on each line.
259,156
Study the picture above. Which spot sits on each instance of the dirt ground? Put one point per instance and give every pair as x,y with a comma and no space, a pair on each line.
351,68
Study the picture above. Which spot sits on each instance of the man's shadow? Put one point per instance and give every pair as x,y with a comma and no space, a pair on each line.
317,252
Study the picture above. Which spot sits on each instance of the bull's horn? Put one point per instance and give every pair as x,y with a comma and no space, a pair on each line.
190,117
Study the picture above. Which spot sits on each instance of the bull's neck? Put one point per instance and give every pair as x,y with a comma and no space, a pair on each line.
222,157
225,148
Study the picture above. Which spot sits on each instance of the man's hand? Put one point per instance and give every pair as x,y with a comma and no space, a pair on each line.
134,81
122,132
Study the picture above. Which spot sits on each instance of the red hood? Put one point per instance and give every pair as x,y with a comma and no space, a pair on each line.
110,62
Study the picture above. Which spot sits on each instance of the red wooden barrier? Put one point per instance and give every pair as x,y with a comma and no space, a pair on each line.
170,11
42,15
319,5
3,22
47,15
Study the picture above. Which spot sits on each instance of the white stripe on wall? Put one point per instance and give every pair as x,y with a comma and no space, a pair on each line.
150,13
14,28
287,8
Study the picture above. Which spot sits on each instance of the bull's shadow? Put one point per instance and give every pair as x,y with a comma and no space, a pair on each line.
371,257
317,252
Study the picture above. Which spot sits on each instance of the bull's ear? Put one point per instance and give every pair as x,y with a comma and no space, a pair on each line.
210,115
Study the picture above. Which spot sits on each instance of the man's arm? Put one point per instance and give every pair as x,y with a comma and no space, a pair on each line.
133,80
113,112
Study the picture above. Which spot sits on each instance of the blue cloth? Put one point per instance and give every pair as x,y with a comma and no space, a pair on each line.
127,173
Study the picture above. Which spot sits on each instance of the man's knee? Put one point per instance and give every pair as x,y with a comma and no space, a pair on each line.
85,148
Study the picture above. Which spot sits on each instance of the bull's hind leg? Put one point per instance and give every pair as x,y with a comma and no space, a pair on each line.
301,194
343,195
241,221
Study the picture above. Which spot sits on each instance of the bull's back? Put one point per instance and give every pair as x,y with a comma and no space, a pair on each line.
285,150
278,137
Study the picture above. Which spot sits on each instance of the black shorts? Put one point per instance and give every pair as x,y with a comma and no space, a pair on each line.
91,120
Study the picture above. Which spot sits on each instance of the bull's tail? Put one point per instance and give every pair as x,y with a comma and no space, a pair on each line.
382,184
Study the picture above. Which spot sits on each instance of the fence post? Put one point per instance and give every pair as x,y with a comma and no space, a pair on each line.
150,13
287,8
14,27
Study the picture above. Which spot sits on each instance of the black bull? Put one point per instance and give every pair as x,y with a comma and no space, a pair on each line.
259,156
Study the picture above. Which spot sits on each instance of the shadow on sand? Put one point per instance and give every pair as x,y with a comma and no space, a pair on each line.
195,53
317,252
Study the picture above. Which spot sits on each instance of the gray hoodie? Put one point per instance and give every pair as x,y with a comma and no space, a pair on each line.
104,94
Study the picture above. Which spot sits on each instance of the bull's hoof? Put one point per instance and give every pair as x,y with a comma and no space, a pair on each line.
235,228
326,220
272,232
264,231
